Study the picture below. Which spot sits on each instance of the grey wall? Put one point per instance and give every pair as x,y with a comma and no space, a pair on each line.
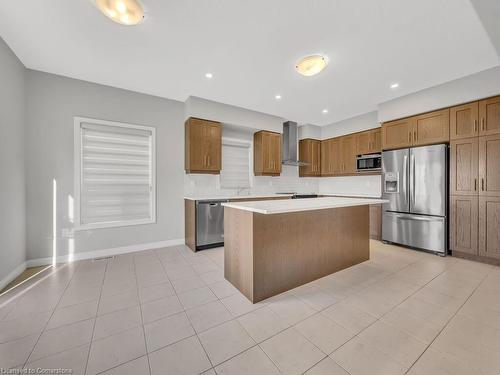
12,196
359,123
230,114
462,90
52,102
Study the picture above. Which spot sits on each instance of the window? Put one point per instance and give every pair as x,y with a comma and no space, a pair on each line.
235,173
115,174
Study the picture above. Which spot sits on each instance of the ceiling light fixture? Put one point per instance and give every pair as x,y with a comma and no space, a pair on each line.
125,12
395,85
277,97
325,111
311,65
209,75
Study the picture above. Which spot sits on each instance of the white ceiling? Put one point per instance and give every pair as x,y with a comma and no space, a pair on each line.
251,48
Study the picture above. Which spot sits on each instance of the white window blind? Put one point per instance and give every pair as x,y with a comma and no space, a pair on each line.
115,173
235,171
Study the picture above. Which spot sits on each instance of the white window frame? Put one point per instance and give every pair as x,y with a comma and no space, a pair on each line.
78,174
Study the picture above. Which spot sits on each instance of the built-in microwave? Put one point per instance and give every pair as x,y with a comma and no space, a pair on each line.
369,163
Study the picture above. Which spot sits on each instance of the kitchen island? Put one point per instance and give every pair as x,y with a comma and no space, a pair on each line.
273,246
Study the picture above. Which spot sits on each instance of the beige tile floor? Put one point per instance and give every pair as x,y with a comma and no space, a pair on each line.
170,311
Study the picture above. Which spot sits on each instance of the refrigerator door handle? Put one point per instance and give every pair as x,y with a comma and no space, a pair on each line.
419,218
412,181
405,191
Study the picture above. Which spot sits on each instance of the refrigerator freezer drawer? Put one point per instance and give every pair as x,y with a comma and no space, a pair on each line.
423,232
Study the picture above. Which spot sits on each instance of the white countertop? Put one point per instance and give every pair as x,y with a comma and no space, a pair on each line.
297,205
234,197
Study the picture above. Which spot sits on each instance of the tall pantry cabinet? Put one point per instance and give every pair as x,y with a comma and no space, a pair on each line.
475,178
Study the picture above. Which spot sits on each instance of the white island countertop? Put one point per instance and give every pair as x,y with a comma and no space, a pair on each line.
297,205
236,197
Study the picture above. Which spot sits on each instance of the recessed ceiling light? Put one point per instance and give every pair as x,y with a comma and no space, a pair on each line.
325,111
311,65
395,85
209,75
125,12
277,97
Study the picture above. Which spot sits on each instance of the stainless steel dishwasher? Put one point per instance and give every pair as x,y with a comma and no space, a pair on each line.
209,224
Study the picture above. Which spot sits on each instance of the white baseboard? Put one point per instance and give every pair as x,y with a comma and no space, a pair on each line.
11,276
81,255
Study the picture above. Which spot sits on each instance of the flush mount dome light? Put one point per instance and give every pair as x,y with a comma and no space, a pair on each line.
311,65
125,12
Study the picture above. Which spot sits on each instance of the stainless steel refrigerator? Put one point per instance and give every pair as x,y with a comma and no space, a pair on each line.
414,181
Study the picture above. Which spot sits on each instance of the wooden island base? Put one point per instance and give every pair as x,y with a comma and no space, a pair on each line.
265,255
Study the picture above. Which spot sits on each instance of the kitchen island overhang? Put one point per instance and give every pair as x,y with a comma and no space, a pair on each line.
273,246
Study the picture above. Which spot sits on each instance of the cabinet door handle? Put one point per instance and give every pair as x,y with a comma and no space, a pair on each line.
409,137
475,126
483,126
415,136
475,184
482,184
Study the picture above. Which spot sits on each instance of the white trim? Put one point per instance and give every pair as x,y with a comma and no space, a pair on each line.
105,252
14,273
77,146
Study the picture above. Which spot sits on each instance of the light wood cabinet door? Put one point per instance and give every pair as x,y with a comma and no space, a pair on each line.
376,144
326,158
464,224
212,147
464,166
267,153
310,152
432,127
464,121
348,154
397,134
203,146
489,227
489,116
336,156
363,143
489,165
275,152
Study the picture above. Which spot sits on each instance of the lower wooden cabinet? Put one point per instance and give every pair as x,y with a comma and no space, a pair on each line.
489,227
376,221
475,225
464,216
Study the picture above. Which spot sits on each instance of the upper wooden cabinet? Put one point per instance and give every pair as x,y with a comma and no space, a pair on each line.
310,152
267,153
397,134
464,167
489,116
347,155
203,146
326,159
431,128
489,165
464,121
368,142
428,128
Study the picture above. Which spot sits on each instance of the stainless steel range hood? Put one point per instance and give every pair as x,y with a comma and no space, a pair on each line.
290,145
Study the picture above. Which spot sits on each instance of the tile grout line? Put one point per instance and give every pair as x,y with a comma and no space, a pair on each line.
142,317
52,313
95,318
449,320
189,320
